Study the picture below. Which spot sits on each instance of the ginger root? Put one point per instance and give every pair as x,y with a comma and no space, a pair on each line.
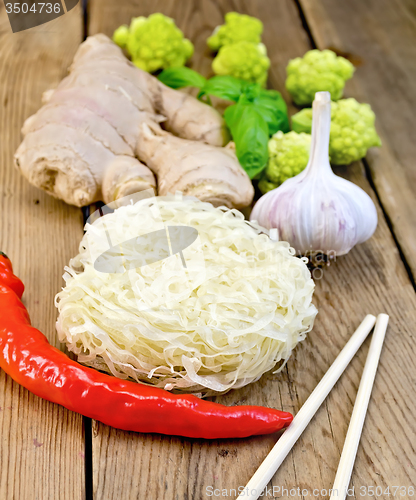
97,137
194,168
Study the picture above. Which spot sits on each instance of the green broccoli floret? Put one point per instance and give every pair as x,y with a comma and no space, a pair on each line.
316,71
154,42
245,60
237,28
121,36
352,130
288,156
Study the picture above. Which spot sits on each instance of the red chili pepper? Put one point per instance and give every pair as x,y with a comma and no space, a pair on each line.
7,277
27,356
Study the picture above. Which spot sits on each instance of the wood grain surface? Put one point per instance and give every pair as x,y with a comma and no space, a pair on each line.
371,279
380,37
41,444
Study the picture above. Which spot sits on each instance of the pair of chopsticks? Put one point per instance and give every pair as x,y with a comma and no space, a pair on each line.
279,452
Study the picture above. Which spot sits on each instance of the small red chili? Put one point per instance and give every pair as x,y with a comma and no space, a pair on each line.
27,356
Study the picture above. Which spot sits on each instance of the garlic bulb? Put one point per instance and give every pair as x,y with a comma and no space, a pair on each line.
317,211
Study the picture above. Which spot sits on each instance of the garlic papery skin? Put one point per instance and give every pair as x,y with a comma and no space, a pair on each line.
318,211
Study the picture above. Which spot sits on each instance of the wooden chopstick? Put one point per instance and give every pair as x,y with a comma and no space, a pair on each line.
349,451
280,450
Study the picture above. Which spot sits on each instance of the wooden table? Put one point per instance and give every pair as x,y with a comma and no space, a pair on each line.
47,452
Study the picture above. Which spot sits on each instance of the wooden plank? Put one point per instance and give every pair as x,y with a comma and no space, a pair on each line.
371,279
41,444
381,36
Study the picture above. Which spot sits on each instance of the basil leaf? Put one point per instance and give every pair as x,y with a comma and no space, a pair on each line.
272,107
250,133
302,121
225,87
177,78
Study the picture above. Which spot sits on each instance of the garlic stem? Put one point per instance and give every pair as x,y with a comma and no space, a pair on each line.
321,125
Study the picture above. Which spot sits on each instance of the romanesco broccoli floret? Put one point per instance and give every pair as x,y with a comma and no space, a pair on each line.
245,60
316,71
288,156
121,36
237,28
352,130
154,42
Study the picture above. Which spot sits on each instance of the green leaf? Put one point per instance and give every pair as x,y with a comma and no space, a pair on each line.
272,107
177,78
250,133
225,87
302,121
269,104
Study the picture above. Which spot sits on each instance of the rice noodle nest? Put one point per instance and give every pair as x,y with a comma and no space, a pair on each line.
237,308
